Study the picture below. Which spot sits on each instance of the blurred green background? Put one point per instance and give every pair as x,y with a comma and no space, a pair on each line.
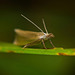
59,17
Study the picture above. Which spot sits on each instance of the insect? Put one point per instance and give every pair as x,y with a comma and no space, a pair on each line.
30,38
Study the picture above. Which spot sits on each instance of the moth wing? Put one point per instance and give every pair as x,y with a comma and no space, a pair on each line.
25,37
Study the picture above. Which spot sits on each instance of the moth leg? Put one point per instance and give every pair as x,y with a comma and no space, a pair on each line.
44,44
27,45
32,43
52,43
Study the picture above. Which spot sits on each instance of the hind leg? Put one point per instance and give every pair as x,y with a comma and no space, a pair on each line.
27,45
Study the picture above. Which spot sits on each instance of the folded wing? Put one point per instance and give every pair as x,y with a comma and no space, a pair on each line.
25,37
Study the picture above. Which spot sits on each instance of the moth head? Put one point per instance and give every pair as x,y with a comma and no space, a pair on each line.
50,35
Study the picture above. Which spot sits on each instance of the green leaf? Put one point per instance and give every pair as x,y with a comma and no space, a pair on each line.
10,48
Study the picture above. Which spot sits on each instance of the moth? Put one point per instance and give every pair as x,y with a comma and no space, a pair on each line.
30,38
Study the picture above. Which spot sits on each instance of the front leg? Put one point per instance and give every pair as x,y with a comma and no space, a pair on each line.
52,43
44,44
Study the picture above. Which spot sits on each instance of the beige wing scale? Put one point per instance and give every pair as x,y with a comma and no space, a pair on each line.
26,37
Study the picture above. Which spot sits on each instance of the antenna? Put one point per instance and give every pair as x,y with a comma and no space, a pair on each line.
32,23
44,25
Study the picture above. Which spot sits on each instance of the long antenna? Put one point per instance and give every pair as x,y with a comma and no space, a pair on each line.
32,23
44,25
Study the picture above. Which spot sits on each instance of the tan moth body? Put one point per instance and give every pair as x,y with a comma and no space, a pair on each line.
29,38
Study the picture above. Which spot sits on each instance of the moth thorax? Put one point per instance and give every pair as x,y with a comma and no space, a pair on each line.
47,36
